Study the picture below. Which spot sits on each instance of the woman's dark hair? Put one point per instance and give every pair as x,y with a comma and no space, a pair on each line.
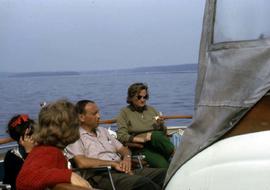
18,124
134,89
58,124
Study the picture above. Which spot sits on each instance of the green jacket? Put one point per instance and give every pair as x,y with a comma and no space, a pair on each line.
131,122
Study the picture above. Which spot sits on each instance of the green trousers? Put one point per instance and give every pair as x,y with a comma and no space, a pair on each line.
158,151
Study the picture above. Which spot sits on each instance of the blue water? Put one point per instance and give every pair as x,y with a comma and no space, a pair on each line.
170,93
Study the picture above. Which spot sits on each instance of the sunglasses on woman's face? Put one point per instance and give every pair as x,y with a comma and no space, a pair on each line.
144,97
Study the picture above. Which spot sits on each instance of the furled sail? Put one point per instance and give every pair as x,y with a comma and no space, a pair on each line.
234,73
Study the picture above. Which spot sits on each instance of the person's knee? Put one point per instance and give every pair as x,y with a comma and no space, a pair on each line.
161,164
162,142
158,162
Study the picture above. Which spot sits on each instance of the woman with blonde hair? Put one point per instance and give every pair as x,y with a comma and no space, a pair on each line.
46,166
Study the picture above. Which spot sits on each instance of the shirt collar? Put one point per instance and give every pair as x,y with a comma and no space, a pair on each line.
83,131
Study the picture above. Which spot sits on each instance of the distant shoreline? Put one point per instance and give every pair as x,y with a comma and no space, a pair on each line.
39,74
184,68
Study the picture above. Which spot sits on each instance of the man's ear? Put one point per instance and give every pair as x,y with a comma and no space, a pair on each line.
81,117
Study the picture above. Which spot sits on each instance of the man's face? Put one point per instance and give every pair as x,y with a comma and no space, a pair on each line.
91,116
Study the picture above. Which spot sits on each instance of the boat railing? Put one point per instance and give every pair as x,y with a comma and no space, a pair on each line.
113,121
8,146
7,143
171,129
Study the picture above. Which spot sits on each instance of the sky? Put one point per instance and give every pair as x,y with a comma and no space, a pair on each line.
87,35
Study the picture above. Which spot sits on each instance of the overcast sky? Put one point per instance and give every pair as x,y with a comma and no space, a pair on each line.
76,35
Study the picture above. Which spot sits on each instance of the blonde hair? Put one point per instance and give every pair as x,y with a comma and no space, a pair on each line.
58,125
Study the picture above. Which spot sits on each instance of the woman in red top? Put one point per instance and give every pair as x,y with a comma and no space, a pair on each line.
46,166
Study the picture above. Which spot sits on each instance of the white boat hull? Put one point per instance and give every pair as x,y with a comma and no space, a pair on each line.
237,163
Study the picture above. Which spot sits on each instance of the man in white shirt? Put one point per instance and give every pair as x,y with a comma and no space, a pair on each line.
96,147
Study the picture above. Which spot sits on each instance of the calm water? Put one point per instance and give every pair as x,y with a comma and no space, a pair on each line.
170,93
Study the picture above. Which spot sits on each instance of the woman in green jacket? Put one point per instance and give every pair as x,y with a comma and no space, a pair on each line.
140,123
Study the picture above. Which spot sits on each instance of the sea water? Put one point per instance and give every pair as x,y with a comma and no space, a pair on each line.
170,93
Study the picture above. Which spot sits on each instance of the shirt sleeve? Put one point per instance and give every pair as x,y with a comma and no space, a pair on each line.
155,111
74,149
122,131
114,142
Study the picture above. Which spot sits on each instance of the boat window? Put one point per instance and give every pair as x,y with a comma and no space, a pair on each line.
241,20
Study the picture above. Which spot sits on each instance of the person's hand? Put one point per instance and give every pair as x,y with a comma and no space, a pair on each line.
159,124
139,139
27,141
116,165
119,166
143,137
125,164
148,136
79,181
159,121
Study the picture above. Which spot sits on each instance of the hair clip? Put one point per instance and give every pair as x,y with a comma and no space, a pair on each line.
43,104
19,120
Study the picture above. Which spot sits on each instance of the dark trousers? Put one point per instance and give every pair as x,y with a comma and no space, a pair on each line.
143,179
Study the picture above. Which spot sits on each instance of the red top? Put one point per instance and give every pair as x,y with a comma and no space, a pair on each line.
44,167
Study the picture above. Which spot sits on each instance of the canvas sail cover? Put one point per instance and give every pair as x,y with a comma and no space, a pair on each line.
233,74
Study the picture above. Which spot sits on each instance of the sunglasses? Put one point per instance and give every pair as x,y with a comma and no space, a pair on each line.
144,97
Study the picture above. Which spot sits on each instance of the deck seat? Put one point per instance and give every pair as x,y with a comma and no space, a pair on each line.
89,173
